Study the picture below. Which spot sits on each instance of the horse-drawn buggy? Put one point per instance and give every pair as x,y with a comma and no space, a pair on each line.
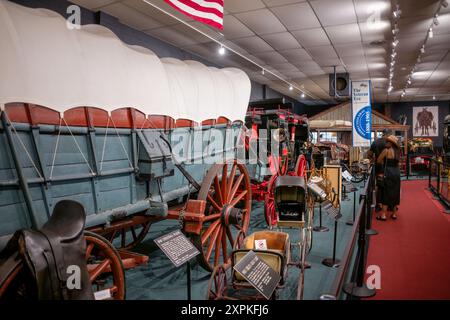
78,162
277,144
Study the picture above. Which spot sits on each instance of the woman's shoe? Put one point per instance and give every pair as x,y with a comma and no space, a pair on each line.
381,218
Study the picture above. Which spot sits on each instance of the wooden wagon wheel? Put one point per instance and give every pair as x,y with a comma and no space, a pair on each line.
228,197
217,285
102,260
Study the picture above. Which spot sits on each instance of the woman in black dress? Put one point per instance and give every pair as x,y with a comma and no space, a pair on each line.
390,189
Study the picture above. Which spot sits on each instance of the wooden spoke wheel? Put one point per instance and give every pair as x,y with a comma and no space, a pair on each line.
217,285
105,267
226,190
103,262
130,234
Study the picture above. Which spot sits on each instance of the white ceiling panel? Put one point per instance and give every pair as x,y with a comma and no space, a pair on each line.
276,3
281,41
296,55
233,28
271,57
131,17
297,16
253,44
311,37
322,52
261,21
234,6
350,50
334,12
346,33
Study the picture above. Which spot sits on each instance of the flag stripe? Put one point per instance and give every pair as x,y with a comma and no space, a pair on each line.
197,7
207,11
209,4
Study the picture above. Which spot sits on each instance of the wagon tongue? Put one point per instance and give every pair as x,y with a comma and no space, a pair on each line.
231,215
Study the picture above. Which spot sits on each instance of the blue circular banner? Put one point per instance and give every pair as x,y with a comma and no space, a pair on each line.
363,122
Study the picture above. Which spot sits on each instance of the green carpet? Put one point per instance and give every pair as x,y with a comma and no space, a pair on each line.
161,280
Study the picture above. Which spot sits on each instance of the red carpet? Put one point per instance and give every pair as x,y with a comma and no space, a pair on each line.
413,252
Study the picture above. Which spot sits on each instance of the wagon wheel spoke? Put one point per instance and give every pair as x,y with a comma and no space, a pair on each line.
217,247
210,230
133,232
224,187
123,238
235,187
238,198
89,248
230,236
99,269
224,245
231,178
214,203
218,191
212,243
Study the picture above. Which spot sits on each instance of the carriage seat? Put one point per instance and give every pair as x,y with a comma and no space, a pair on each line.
277,255
49,252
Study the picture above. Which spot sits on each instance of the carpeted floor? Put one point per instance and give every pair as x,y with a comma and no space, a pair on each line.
413,252
161,280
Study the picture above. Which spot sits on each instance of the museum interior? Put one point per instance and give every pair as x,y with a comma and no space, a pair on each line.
224,150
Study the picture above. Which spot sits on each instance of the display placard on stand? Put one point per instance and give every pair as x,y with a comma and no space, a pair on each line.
177,247
258,273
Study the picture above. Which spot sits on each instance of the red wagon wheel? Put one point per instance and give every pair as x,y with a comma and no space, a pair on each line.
227,193
217,286
102,258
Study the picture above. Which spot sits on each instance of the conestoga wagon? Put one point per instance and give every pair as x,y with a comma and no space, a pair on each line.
133,138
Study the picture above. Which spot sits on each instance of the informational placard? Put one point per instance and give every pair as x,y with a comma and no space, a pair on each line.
258,273
177,247
361,113
331,211
347,175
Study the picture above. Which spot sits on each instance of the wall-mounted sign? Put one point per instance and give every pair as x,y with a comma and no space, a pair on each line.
361,113
425,121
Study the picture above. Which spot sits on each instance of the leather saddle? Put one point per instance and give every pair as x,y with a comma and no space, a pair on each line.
54,255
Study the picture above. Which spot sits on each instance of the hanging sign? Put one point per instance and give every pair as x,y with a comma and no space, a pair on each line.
361,113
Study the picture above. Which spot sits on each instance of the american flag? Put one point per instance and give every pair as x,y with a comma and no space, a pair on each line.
206,11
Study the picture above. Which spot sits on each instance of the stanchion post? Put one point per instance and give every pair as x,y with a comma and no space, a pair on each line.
370,205
351,222
188,274
359,288
320,228
333,262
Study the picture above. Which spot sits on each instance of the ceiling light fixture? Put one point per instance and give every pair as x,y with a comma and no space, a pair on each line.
435,20
390,89
262,71
422,50
303,95
221,50
430,33
395,43
291,88
434,97
397,12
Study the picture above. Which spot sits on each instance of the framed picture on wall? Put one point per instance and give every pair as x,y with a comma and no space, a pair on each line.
425,121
